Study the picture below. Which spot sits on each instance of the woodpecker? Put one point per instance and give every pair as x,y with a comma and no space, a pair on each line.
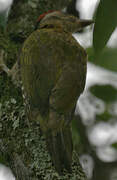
53,72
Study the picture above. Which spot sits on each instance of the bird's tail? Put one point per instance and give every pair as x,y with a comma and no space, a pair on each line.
60,148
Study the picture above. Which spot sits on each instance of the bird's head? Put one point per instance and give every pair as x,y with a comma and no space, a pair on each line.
65,21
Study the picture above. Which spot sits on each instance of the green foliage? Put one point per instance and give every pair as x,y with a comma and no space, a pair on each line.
114,145
108,95
105,92
105,23
106,116
107,59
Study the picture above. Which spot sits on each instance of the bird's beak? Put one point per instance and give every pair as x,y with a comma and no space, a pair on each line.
83,23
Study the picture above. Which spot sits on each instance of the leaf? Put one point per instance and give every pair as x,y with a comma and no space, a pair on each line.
105,92
114,145
105,23
107,59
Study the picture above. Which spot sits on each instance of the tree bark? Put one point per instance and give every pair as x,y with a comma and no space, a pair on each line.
22,145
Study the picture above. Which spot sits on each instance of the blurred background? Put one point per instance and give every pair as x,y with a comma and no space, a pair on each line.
97,106
95,124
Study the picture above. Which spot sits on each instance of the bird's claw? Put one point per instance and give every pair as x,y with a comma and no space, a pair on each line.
3,67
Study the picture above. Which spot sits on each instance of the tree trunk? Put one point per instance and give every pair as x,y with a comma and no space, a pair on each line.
22,145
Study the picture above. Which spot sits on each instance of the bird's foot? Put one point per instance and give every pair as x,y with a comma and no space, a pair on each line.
3,67
13,72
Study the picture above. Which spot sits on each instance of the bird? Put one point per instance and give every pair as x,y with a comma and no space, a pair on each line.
53,68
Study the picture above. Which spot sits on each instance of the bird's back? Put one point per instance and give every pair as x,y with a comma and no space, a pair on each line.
45,56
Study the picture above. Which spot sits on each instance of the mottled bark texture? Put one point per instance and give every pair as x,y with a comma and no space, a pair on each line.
22,146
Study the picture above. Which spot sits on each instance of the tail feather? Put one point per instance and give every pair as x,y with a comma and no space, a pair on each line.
60,148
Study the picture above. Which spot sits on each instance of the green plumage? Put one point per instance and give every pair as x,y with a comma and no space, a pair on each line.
53,71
